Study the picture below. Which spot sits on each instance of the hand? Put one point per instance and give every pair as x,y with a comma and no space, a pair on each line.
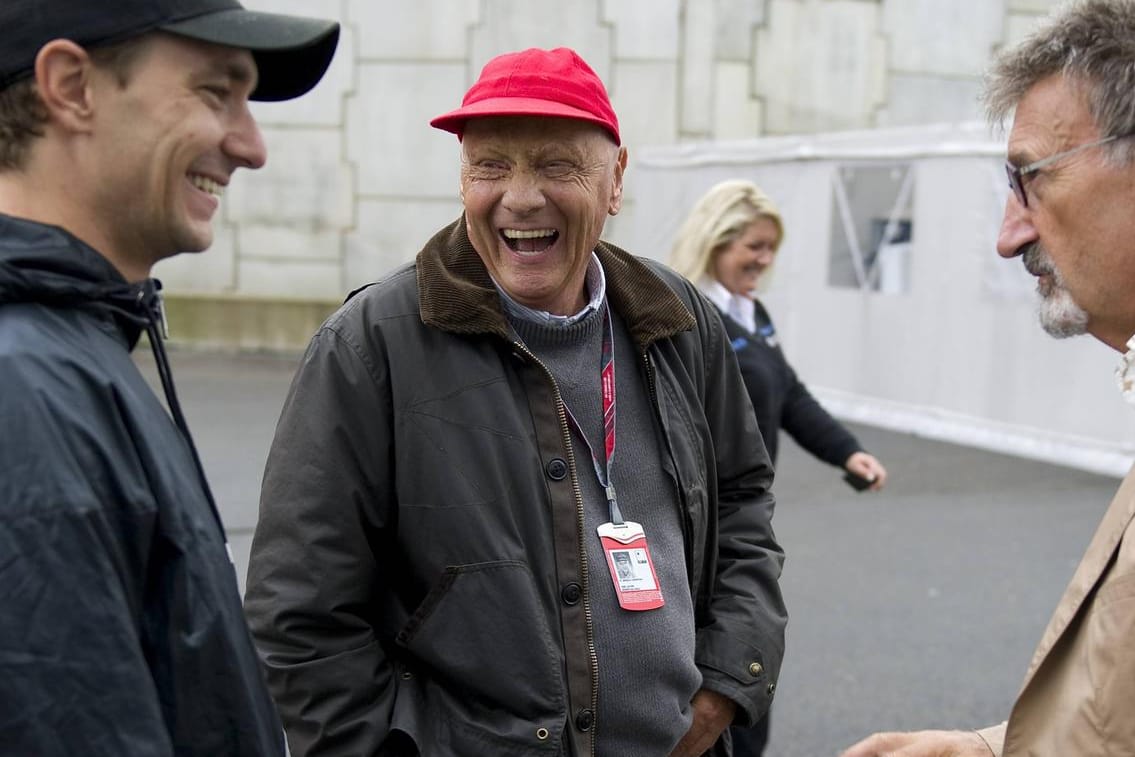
713,713
866,466
921,744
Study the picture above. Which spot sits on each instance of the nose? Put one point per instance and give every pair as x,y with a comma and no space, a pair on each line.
244,143
523,195
1017,229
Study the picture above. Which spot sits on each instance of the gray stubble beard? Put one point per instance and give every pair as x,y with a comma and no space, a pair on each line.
1059,314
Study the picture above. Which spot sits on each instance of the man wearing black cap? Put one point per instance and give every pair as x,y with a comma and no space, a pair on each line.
474,446
121,123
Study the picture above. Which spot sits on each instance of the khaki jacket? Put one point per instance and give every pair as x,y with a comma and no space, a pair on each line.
1078,698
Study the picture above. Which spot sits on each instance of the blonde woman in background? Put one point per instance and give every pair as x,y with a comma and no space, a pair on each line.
725,245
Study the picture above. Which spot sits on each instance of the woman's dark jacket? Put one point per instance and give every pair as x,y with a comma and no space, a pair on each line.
121,631
417,565
781,400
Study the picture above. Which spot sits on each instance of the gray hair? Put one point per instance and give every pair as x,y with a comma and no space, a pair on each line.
1091,43
716,220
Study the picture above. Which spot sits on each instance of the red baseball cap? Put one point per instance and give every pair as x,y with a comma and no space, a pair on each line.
555,83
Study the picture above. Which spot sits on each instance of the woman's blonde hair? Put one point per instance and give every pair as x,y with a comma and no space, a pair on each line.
716,220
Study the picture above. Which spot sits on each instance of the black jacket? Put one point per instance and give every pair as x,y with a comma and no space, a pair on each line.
779,398
417,564
121,630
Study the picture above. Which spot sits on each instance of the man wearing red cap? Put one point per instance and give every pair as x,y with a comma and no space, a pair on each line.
517,502
121,123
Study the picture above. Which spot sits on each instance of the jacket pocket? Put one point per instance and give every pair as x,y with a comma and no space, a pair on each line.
483,674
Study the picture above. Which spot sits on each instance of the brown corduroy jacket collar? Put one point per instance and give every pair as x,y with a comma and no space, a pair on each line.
457,295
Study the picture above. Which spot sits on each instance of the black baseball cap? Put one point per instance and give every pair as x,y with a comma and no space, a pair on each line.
291,52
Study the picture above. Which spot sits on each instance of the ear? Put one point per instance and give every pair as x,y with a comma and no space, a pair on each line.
616,202
463,173
62,76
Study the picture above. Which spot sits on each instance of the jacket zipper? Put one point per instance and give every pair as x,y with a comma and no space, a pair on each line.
652,389
565,434
150,301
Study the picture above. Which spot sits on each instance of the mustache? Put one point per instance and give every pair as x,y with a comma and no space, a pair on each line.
1037,261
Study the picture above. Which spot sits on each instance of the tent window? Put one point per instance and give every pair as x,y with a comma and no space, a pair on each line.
871,227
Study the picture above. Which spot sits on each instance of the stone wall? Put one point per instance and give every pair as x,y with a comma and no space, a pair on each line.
357,179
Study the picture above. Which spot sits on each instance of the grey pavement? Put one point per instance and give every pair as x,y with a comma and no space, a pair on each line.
915,607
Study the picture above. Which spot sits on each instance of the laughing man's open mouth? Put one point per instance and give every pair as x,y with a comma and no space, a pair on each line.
529,240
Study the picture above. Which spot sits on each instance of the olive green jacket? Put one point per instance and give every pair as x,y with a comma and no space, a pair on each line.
421,523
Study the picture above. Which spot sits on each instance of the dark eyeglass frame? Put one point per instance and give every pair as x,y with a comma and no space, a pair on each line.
1017,176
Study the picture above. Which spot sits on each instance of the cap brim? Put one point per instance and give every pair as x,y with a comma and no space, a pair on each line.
291,52
454,121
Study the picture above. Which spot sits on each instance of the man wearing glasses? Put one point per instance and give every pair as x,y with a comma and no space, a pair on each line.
1070,218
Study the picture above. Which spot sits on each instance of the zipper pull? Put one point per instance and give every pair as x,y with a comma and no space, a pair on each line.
154,304
163,324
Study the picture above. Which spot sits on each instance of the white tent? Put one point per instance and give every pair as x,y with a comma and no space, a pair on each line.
888,294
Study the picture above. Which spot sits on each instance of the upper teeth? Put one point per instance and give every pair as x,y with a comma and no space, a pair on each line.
526,234
205,184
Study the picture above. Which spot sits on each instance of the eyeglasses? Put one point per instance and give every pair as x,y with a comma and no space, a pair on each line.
1017,175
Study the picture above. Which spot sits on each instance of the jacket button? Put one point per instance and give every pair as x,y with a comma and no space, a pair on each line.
557,469
755,669
584,719
542,734
771,689
571,594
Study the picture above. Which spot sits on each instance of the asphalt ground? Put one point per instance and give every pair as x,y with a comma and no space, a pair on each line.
916,607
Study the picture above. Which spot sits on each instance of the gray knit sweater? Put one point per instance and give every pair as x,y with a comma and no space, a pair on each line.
647,674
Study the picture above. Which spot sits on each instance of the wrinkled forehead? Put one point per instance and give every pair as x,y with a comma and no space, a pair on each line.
1051,116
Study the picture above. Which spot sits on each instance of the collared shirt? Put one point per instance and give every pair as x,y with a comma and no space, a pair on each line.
739,307
1123,372
596,283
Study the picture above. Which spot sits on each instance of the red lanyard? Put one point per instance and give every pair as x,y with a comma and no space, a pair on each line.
607,379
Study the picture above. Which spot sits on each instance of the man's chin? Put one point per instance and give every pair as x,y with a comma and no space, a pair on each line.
198,241
1061,330
1061,318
